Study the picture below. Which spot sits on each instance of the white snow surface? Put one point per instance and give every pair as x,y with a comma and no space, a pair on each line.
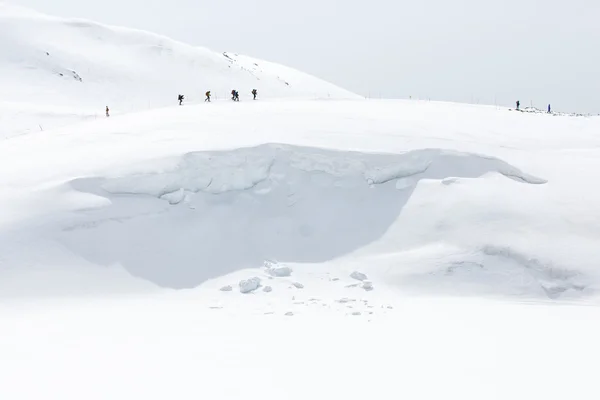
122,238
56,71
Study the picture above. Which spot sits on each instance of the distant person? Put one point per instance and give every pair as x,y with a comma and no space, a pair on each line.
254,93
107,112
549,109
235,96
207,96
180,98
518,104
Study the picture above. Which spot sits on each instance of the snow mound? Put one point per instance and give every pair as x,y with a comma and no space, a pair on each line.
246,205
497,270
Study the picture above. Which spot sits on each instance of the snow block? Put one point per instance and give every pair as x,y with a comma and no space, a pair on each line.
359,276
298,285
279,272
227,288
368,286
267,289
249,285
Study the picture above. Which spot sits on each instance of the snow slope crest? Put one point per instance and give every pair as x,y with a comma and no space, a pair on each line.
63,65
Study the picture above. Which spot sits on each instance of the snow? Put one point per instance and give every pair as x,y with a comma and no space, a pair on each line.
279,271
367,286
359,276
444,251
249,285
55,71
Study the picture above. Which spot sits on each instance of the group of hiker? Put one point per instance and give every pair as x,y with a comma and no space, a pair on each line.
235,96
519,107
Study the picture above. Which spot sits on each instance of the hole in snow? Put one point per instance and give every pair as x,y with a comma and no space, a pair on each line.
207,214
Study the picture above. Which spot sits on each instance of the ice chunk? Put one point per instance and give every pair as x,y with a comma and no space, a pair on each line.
279,272
298,285
359,276
249,285
368,286
227,288
267,289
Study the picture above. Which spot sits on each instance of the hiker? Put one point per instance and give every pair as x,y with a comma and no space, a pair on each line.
254,93
180,98
207,96
107,112
235,96
549,109
518,104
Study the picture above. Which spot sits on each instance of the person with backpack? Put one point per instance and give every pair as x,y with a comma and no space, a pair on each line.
518,105
107,112
207,96
180,98
549,109
254,93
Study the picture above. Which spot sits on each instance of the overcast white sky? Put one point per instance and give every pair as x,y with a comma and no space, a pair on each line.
460,50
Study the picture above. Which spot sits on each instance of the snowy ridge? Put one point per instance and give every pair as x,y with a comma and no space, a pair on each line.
81,66
242,169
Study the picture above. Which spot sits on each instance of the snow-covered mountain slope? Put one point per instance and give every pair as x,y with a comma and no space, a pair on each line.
72,69
281,249
437,190
368,235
